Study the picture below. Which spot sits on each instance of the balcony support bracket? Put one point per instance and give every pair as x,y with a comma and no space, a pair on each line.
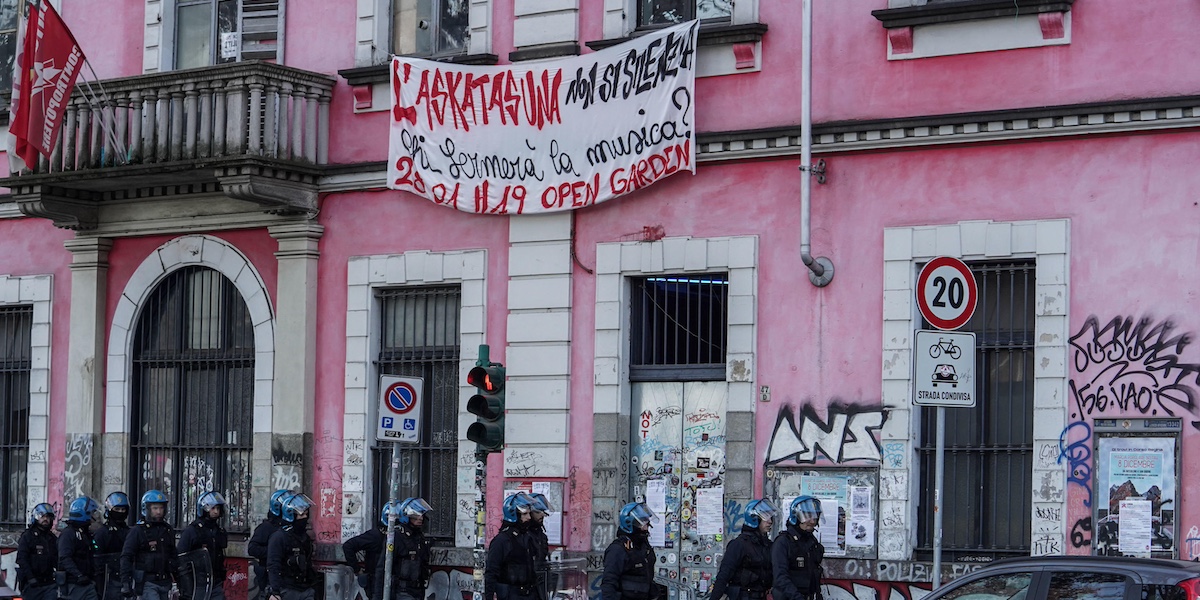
279,191
76,210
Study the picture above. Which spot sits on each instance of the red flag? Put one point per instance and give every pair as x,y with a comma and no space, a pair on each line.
47,65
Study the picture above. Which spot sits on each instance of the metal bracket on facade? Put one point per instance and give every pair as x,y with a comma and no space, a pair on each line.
817,171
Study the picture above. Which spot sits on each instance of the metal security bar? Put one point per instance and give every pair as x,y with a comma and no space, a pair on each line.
989,449
193,395
419,337
16,326
678,328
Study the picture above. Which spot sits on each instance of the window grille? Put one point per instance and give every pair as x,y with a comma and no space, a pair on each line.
678,328
987,496
193,395
16,326
419,337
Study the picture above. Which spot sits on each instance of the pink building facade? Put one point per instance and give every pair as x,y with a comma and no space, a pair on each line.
218,313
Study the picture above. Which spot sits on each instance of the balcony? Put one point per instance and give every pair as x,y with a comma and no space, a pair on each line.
228,139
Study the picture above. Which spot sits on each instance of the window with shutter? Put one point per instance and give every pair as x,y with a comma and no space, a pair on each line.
200,33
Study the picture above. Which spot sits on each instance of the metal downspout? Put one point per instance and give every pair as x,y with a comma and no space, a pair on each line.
821,268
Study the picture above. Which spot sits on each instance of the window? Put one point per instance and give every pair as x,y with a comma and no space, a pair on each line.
16,324
1093,586
419,337
989,448
205,31
10,15
669,12
193,395
431,27
1007,586
677,328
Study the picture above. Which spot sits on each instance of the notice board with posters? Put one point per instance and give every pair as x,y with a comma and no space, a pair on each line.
849,505
1135,508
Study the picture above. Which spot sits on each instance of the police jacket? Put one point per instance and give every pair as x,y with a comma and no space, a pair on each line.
796,562
149,551
290,560
629,569
509,572
746,568
37,557
208,534
110,539
257,546
363,550
76,554
410,563
540,545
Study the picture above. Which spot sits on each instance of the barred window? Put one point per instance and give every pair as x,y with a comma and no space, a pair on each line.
419,337
677,327
987,500
193,395
16,325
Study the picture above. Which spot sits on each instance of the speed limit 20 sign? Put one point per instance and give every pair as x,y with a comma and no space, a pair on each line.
946,293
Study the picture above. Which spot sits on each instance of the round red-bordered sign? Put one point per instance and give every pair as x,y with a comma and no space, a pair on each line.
946,293
400,397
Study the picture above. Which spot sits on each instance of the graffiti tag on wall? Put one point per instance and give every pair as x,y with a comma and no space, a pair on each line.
849,433
1129,366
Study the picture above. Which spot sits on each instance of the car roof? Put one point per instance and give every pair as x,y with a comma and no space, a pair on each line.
1144,566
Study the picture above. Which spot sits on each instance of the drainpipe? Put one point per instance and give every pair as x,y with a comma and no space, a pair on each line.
820,270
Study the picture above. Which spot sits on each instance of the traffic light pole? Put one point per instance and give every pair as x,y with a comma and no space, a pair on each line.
480,554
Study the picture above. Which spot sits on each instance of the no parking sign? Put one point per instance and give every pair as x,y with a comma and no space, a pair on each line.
400,404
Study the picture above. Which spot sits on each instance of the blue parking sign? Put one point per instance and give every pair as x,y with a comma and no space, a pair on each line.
387,423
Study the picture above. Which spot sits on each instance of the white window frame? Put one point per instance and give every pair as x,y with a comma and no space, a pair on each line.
620,16
364,275
617,262
904,249
373,45
982,35
35,290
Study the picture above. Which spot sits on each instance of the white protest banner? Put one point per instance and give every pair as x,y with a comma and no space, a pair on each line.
550,136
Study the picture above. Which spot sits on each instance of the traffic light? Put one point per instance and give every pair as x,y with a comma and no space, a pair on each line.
487,404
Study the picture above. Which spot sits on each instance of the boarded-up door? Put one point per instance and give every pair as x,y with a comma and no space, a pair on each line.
678,467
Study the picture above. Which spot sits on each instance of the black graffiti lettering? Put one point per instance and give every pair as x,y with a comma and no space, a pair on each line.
1133,366
848,434
637,72
412,145
561,160
636,141
1081,533
472,165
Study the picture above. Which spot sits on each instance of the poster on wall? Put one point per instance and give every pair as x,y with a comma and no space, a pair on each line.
1135,510
553,490
848,505
834,493
545,136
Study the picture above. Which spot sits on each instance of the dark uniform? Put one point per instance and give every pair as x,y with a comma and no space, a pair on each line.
796,562
206,533
510,570
37,558
148,561
290,563
745,572
540,545
257,549
110,540
363,552
410,565
77,561
629,563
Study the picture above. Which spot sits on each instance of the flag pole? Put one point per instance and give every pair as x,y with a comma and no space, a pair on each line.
105,109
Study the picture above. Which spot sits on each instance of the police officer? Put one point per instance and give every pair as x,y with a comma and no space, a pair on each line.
745,572
410,556
110,539
796,554
362,551
629,559
148,560
509,572
541,543
206,532
37,555
257,546
77,550
290,553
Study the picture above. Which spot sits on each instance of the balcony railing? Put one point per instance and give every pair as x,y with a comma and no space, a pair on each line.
245,109
252,131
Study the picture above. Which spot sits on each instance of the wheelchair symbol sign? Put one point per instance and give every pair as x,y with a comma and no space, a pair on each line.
400,400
